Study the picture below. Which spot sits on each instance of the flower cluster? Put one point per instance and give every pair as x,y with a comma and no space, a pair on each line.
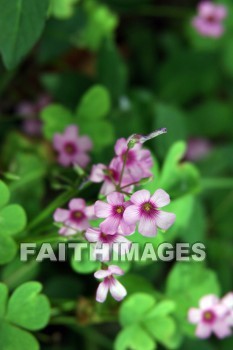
209,21
129,166
214,315
122,211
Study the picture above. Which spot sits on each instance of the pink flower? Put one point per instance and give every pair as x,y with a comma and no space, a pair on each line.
209,20
145,210
75,219
113,211
139,161
210,318
72,148
198,148
107,243
110,175
227,301
109,283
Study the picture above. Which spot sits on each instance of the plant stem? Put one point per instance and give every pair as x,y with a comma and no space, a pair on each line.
58,202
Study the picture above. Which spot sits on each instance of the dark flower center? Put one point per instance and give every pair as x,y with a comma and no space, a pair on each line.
107,238
211,19
77,215
70,148
148,207
209,316
119,209
111,174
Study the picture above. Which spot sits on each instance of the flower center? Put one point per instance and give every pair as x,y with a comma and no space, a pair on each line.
107,238
211,19
148,207
209,316
77,215
70,148
120,209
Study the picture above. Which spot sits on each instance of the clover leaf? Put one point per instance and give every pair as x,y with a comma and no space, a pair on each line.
12,221
25,310
146,322
186,284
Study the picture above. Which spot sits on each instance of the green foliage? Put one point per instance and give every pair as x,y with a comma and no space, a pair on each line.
62,9
100,24
26,310
12,221
21,24
187,283
146,322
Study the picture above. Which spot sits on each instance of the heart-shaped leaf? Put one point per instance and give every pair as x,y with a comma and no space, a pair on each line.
27,308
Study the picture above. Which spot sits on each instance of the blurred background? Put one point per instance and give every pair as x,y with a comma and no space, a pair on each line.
159,72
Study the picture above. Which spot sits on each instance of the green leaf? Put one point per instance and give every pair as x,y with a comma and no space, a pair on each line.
162,329
101,133
3,299
100,25
4,194
187,283
62,9
13,338
112,72
175,121
12,219
8,249
162,309
95,104
27,308
84,266
56,118
178,178
21,24
134,337
135,308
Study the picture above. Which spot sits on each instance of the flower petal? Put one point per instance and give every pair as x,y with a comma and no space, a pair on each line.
85,143
208,301
90,212
160,198
147,227
81,159
102,291
194,315
115,198
97,173
228,300
164,220
102,209
140,197
120,146
77,204
61,215
203,331
131,214
92,235
110,225
58,142
117,290
71,133
102,274
222,329
116,270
